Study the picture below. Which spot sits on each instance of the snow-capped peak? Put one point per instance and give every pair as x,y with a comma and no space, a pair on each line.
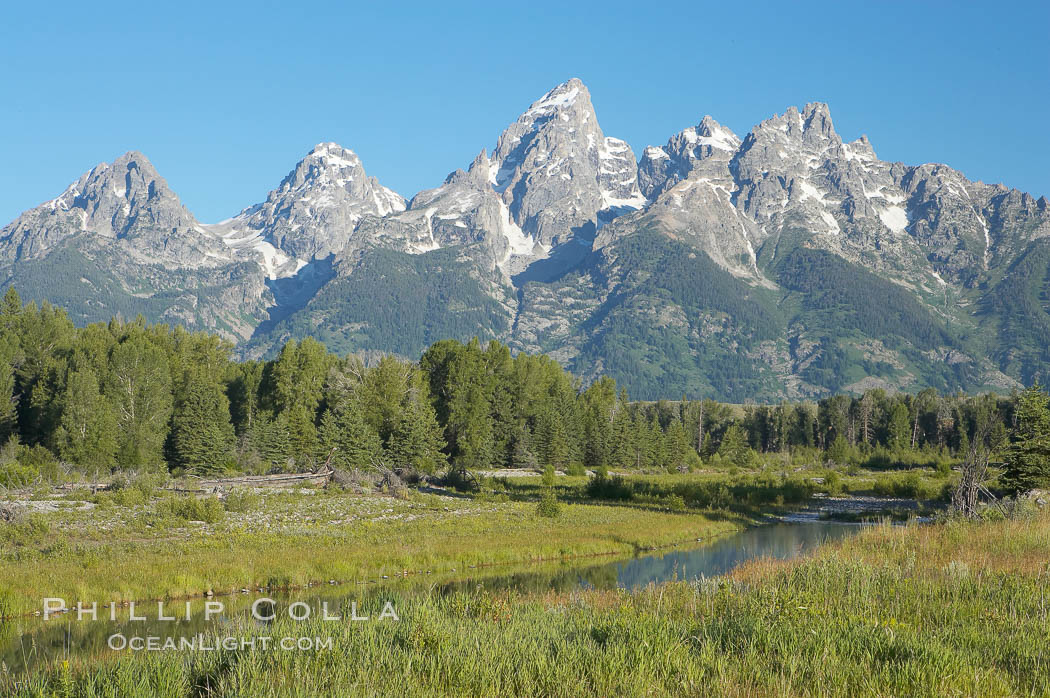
564,95
713,134
334,155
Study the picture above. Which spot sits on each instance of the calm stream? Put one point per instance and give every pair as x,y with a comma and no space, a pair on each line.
27,641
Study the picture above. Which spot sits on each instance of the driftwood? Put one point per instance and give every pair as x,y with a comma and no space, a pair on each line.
93,486
321,477
211,485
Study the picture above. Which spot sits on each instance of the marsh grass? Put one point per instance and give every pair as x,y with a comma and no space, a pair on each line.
949,609
138,546
293,540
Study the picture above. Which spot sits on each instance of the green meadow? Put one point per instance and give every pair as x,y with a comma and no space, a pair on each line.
954,608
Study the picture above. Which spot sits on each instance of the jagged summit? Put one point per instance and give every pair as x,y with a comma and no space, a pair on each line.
558,173
314,211
553,178
712,252
663,167
562,97
127,200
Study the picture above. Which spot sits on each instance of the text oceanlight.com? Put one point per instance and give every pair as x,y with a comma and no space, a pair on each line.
204,643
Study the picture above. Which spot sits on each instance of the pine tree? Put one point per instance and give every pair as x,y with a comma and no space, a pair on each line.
599,404
522,455
269,438
244,391
1027,463
8,407
839,451
46,336
383,394
707,449
469,416
735,448
677,445
302,433
352,443
551,440
418,440
202,434
620,453
657,445
10,310
900,426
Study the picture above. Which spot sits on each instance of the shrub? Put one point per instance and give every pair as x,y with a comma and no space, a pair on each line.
461,480
25,529
884,486
21,466
576,469
841,453
548,476
40,459
833,483
614,487
206,509
14,475
909,486
131,489
548,506
676,503
242,501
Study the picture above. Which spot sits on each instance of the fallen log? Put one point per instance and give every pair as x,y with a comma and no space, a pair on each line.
256,481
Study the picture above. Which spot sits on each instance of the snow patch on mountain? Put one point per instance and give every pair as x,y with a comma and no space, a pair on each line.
518,243
560,96
895,218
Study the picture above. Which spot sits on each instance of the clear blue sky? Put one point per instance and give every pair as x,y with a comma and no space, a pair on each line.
226,97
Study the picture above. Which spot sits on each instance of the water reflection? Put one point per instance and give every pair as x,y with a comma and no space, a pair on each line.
25,641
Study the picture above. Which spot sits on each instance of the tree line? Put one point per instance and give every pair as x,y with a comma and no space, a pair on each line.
130,395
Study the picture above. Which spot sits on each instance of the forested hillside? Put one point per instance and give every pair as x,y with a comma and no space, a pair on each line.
83,402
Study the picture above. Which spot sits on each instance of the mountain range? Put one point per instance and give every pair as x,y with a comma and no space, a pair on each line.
783,264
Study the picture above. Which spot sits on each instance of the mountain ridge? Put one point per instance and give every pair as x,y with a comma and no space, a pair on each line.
545,243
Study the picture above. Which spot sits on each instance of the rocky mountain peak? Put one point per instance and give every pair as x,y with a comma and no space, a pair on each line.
811,127
479,174
663,167
817,115
548,242
114,194
314,210
126,200
859,149
558,173
571,95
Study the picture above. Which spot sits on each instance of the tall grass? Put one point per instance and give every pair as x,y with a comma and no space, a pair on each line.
331,542
954,609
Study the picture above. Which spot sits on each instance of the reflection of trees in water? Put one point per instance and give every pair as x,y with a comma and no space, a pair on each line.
600,576
781,541
561,579
7,631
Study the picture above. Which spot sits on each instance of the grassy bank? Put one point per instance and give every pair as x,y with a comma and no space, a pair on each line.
131,544
145,551
949,609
